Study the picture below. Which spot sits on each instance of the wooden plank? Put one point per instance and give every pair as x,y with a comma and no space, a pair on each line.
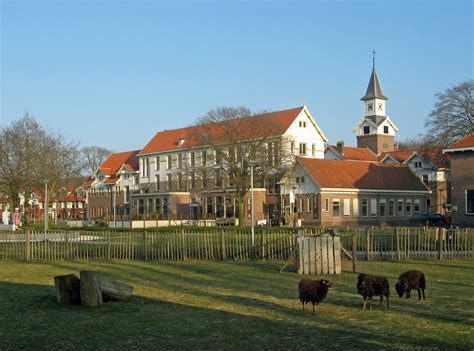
312,256
324,255
306,243
337,255
330,245
299,241
319,266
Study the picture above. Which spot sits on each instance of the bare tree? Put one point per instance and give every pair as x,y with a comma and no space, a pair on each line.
238,141
29,155
453,115
92,157
414,143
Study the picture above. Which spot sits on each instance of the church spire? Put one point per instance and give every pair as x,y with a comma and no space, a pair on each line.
374,89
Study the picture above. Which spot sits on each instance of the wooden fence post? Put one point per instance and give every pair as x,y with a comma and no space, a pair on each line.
66,244
263,245
397,242
367,243
145,245
27,245
354,252
441,235
108,245
185,254
223,254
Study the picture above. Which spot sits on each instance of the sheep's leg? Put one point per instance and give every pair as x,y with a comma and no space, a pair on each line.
388,304
302,303
381,300
363,307
423,290
314,309
370,303
419,294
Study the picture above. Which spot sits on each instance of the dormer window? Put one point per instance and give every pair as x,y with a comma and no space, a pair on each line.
366,130
180,141
385,129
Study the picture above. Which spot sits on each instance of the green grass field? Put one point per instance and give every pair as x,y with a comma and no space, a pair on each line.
234,305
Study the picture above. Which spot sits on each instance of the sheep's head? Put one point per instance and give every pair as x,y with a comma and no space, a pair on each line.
327,284
399,288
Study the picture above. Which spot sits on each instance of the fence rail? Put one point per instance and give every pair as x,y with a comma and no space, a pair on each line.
367,244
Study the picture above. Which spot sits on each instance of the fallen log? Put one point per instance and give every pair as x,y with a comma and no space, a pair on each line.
91,294
68,291
115,291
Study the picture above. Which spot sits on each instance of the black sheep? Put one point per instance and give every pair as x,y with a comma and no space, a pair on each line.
413,279
313,291
370,285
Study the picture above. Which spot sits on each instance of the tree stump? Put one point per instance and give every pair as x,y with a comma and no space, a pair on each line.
91,294
68,291
115,291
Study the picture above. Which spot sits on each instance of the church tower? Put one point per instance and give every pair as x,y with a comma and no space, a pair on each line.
375,131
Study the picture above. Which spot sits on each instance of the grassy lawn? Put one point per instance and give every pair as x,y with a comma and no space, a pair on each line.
234,305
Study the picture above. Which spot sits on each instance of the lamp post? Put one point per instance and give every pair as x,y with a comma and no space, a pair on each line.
46,206
252,215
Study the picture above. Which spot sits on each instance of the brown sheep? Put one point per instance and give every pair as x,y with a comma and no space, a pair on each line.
369,286
412,279
313,291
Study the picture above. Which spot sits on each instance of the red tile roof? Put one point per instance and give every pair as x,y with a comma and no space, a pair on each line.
467,142
113,163
88,182
362,175
399,155
276,123
111,180
358,154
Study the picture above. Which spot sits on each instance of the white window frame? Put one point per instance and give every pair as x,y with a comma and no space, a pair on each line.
373,207
402,213
355,207
338,203
346,209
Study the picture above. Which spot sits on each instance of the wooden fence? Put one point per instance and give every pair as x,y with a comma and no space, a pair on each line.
366,244
319,254
172,245
406,243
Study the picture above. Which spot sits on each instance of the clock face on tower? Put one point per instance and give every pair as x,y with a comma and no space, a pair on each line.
380,107
370,106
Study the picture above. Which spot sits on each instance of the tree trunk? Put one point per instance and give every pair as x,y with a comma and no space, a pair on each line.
242,210
115,291
91,294
68,289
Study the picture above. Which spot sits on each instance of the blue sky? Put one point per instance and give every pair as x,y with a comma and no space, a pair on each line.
113,73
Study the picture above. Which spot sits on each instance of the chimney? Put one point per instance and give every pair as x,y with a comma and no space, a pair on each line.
340,147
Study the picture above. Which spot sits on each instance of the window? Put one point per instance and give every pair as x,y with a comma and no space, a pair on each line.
158,206
209,205
355,207
192,159
301,205
326,207
416,206
180,161
400,208
309,203
301,179
417,164
347,207
165,208
316,206
364,208
366,130
141,204
425,179
408,207
168,181
469,201
203,158
302,124
313,149
149,206
302,148
335,207
391,208
157,163
373,207
382,207
193,181
385,129
168,162
157,180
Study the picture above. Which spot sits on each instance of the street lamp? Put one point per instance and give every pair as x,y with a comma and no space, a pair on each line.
252,218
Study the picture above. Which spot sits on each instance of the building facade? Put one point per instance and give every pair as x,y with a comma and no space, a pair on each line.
462,181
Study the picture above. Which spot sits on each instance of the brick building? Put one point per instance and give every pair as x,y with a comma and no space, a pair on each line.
343,192
462,181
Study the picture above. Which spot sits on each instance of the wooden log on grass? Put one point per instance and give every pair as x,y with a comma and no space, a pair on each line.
114,290
68,289
91,294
